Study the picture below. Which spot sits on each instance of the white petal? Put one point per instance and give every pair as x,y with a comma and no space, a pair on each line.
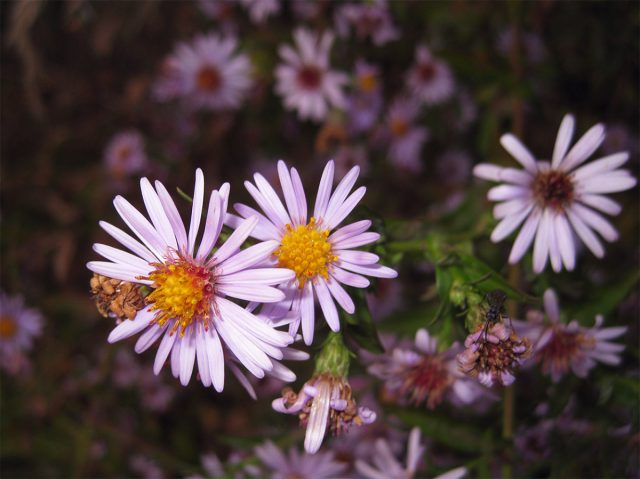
607,183
564,239
348,278
327,305
128,327
340,194
212,226
554,247
602,165
140,226
318,416
324,191
272,197
234,242
509,224
563,140
265,230
602,203
249,257
357,240
266,276
215,358
118,271
201,356
307,313
519,152
300,195
337,216
341,296
377,270
196,210
541,245
164,349
595,221
157,213
349,231
122,257
525,237
289,193
146,339
171,211
357,257
252,292
508,192
589,143
187,354
586,235
126,240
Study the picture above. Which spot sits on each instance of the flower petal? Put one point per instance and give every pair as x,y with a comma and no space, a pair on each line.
563,140
519,152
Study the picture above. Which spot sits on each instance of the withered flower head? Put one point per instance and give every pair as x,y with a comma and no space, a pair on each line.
115,298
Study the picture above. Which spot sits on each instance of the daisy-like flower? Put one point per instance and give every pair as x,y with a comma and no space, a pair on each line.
422,374
189,306
305,79
557,199
386,466
404,137
325,401
493,353
207,73
430,78
125,155
561,347
19,326
322,256
322,465
371,19
260,10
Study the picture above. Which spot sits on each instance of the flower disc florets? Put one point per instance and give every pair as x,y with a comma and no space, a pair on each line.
553,189
306,250
492,355
184,290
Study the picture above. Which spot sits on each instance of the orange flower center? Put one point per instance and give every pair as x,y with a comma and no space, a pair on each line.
208,79
8,326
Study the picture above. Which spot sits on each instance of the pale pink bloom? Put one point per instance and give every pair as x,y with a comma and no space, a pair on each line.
368,20
561,347
386,466
493,354
365,102
322,465
188,307
260,10
206,73
422,374
324,402
145,467
405,139
430,79
19,326
305,79
556,199
124,155
322,255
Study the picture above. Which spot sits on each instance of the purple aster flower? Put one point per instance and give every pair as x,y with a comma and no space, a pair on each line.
386,466
188,305
430,78
422,374
19,326
260,10
559,347
325,401
404,138
322,465
365,103
368,20
557,199
206,73
322,255
124,155
305,80
492,354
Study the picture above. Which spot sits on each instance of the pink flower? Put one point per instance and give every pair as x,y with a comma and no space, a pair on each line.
430,78
555,200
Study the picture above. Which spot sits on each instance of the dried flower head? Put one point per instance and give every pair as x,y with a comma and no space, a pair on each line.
115,298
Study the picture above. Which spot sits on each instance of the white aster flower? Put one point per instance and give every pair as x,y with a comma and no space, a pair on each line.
321,254
430,78
188,306
557,199
206,73
124,154
322,465
305,79
386,466
19,325
559,346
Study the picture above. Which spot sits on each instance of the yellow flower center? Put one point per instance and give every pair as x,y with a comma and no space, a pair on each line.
306,250
183,291
8,327
367,82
